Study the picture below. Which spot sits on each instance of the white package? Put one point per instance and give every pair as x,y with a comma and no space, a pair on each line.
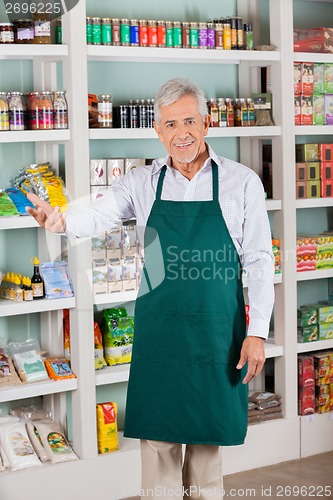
28,360
37,442
5,461
17,447
55,443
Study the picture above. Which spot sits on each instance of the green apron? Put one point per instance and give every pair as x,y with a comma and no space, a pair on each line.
184,386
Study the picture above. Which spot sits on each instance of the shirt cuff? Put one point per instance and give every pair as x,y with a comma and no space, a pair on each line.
258,328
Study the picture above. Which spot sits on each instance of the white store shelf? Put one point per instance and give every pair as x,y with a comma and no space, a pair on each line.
12,308
273,204
313,57
35,136
314,202
34,389
314,275
314,130
21,222
316,433
112,374
314,346
30,51
218,132
114,298
172,55
273,350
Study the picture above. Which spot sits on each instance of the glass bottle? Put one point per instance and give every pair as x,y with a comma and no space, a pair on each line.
244,113
16,111
194,35
106,31
37,282
134,33
46,111
104,111
125,36
230,112
33,111
203,35
60,110
58,32
96,31
222,112
152,33
177,34
89,30
238,113
186,35
214,113
115,24
161,34
42,28
4,112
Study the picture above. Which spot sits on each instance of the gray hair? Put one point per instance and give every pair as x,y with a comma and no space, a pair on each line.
173,90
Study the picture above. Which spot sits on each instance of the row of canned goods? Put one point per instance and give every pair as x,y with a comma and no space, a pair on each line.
33,111
225,33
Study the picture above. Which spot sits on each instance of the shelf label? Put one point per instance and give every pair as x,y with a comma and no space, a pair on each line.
310,418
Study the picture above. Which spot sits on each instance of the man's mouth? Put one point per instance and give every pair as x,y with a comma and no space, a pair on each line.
184,145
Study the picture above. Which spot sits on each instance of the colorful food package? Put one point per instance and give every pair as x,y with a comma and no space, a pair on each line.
57,282
307,78
306,400
17,446
8,375
306,373
118,331
58,368
107,432
265,399
28,360
307,315
7,207
99,352
55,442
19,199
37,442
308,333
30,413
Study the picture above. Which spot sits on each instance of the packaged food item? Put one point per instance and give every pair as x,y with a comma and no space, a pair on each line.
325,313
57,281
99,276
307,78
322,364
19,199
313,40
28,360
17,446
307,315
297,109
67,334
328,78
55,442
325,331
308,333
42,27
98,172
325,152
60,110
37,442
30,413
318,109
24,31
328,109
58,368
306,110
263,108
118,331
306,400
307,152
105,111
7,207
107,431
98,344
17,110
8,375
37,282
306,371
265,399
4,112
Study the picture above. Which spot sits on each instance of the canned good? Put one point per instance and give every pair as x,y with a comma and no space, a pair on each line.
169,34
143,33
177,35
104,111
106,31
152,33
96,31
219,36
125,37
186,35
89,30
115,35
6,33
211,36
24,31
194,36
134,33
202,35
161,34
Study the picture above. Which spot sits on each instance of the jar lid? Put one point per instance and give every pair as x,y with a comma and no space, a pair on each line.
6,24
106,19
22,20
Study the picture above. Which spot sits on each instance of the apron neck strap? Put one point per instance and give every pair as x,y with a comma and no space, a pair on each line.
160,183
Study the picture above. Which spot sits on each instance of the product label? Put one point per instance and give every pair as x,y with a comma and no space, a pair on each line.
16,119
42,28
60,119
105,113
58,443
20,445
37,289
25,34
4,120
6,37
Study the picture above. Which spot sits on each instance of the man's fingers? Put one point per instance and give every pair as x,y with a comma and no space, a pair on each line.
46,207
254,368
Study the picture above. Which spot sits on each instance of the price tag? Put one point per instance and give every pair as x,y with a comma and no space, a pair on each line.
310,418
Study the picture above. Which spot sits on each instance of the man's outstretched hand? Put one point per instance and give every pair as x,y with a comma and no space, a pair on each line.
45,215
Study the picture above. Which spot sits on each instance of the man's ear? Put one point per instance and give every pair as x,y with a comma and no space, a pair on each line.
206,124
158,131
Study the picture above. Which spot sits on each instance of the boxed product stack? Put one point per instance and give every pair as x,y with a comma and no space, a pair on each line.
314,251
314,170
306,385
313,89
264,406
323,364
315,322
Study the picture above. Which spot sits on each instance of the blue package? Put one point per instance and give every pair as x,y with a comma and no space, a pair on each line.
57,282
19,199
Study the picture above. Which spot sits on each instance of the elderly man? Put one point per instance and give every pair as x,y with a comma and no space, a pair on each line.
205,220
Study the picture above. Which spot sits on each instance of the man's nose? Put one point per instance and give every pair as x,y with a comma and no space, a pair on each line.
183,131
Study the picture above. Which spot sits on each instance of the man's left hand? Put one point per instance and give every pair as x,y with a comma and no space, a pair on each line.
253,352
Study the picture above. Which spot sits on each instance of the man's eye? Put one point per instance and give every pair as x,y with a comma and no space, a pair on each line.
170,125
190,122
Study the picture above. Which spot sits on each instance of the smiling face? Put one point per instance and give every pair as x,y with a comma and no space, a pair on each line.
182,130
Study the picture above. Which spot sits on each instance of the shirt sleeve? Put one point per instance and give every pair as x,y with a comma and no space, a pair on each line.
108,212
257,258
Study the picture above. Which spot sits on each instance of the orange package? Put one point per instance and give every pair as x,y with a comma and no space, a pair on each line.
58,368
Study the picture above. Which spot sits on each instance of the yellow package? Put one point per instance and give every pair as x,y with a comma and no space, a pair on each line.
107,431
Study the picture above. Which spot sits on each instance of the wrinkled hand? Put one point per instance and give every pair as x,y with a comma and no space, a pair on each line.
46,216
253,352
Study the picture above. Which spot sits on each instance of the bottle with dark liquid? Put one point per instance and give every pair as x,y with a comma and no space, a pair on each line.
37,282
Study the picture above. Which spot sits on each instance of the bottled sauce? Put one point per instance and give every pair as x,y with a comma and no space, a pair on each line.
226,36
37,282
143,33
17,290
219,36
24,30
6,33
4,112
222,112
230,113
46,111
214,113
251,112
58,32
27,288
244,113
106,31
238,113
16,111
60,110
42,28
104,111
33,110
240,34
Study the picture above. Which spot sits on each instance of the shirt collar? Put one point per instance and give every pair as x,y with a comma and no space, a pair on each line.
159,163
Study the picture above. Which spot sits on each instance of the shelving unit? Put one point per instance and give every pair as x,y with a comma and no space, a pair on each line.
315,346
34,389
12,308
57,136
315,275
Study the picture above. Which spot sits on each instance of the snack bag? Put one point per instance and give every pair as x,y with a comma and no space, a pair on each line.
55,442
118,337
58,368
99,353
7,207
28,360
107,432
17,446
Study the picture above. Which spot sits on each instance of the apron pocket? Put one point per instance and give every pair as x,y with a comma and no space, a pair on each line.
185,338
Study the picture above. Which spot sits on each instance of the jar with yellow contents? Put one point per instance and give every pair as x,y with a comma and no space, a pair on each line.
42,28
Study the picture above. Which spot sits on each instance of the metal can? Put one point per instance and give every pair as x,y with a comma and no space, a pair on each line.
202,35
89,30
169,34
96,31
143,114
152,33
132,115
177,34
240,34
226,36
123,115
219,36
194,36
143,33
104,111
161,34
106,31
115,24
186,35
134,33
6,33
125,37
210,36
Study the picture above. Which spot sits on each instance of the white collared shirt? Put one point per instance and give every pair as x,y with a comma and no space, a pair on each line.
242,202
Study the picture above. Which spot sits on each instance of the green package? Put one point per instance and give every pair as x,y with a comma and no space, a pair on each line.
308,333
7,207
318,109
307,315
118,332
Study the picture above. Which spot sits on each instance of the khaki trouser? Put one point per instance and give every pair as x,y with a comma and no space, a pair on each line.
166,474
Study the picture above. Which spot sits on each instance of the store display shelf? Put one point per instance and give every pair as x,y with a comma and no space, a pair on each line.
314,275
12,308
316,433
30,51
273,204
23,222
172,55
34,389
313,57
114,298
314,202
218,132
314,346
313,130
35,136
273,350
112,374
